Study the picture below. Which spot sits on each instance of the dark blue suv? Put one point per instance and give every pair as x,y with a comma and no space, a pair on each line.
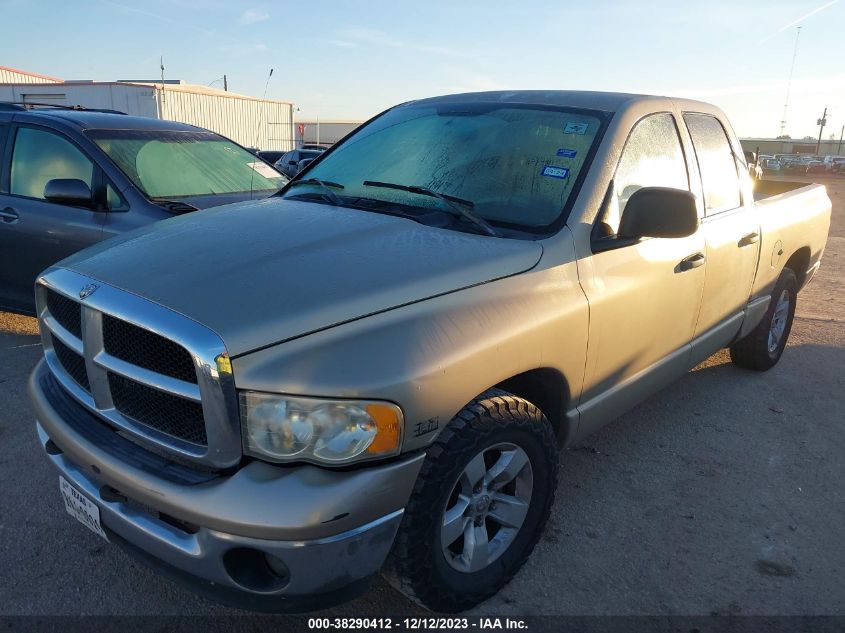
70,178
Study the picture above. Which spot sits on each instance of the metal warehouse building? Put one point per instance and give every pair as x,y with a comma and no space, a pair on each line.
827,147
324,132
12,75
252,122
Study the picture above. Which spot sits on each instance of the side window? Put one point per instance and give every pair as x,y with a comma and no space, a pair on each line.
716,162
2,148
40,156
114,201
652,157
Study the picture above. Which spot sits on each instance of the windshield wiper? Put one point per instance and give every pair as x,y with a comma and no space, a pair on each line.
325,185
451,202
175,206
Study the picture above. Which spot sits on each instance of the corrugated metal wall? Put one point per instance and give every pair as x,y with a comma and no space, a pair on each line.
330,131
12,76
250,122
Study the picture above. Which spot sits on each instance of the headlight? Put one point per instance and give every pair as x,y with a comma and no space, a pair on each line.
286,428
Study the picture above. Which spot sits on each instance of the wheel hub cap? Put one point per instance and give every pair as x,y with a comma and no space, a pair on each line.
779,318
487,507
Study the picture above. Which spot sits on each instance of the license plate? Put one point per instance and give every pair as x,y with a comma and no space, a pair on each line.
81,507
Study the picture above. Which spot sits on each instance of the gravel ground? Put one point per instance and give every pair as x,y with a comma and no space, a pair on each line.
720,495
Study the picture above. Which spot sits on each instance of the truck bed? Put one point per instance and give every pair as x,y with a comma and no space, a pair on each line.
767,188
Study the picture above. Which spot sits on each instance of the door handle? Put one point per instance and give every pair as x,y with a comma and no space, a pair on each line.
9,215
748,240
693,261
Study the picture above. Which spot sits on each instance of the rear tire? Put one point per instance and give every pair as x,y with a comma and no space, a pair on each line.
479,505
762,348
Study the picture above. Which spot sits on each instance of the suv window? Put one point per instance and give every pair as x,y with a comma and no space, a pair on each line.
652,157
114,201
40,156
716,162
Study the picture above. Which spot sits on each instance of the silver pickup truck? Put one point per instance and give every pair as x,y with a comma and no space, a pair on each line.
377,367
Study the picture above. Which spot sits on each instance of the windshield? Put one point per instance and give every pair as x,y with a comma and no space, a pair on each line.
516,165
167,164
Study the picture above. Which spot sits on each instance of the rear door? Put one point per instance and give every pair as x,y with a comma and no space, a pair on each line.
731,230
35,233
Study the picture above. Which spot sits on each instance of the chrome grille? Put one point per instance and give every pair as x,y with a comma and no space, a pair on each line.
66,311
72,363
147,349
148,371
169,414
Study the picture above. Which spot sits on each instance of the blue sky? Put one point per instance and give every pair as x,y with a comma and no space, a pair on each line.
350,60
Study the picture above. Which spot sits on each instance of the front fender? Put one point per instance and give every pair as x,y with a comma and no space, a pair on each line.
434,356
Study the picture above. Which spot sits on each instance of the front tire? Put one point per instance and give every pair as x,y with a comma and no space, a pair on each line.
762,348
479,505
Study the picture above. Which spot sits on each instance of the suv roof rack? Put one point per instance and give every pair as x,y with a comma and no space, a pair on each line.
33,105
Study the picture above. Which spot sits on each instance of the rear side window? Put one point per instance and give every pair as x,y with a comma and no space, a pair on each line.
39,157
2,147
716,162
652,157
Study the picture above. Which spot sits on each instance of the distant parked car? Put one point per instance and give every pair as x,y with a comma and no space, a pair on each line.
816,167
319,148
270,156
288,164
794,167
76,177
833,163
769,165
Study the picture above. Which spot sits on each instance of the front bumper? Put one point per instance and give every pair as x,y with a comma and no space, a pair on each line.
266,538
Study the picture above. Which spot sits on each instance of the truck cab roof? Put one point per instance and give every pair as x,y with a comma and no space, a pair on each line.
587,99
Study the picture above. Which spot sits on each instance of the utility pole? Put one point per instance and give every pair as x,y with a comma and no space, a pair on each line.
839,149
225,84
821,123
789,83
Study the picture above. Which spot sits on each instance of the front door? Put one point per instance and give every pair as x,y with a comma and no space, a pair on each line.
36,233
643,302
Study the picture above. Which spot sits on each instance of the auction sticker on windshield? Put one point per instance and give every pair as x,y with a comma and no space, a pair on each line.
81,507
555,172
573,127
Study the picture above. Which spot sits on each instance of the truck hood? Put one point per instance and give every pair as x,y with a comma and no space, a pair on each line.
264,272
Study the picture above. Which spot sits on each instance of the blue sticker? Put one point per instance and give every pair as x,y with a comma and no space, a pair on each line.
555,172
572,127
567,153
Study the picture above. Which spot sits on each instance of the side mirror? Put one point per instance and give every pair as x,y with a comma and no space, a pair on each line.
69,191
659,212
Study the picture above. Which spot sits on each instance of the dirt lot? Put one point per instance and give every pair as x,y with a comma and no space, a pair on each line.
723,494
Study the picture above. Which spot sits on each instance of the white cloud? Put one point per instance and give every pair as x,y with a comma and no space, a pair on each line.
799,20
253,16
